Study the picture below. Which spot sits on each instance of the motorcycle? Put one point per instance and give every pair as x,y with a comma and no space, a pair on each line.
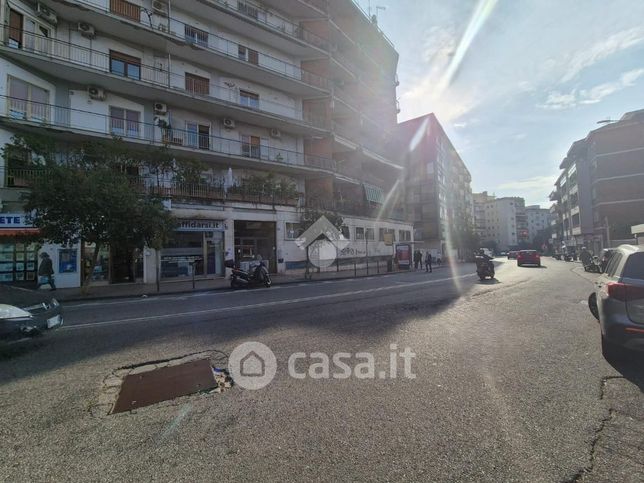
254,277
484,268
593,266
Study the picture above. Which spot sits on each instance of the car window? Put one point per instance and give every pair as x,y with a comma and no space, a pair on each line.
613,264
634,267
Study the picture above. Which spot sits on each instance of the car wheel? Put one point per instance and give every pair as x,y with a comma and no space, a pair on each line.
518,264
482,277
592,305
612,351
539,264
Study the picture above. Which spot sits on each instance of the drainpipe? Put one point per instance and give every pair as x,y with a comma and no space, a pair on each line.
608,242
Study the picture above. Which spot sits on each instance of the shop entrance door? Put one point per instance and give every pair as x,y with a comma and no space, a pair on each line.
254,238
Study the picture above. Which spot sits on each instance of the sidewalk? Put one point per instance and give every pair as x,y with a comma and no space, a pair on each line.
134,290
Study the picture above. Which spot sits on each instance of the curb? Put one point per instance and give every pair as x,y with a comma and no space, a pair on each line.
94,298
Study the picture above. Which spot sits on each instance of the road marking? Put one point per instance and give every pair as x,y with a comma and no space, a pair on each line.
259,305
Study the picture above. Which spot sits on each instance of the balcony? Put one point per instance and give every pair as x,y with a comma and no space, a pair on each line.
175,190
175,89
75,123
355,208
152,30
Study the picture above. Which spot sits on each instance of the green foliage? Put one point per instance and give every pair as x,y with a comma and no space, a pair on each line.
311,215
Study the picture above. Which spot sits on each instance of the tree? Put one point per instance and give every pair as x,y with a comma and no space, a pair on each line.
84,193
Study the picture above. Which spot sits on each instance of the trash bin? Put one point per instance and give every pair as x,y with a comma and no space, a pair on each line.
390,265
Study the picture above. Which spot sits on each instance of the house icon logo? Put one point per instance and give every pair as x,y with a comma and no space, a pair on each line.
252,365
323,242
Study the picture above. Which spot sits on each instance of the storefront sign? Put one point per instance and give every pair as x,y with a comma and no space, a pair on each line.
13,220
201,225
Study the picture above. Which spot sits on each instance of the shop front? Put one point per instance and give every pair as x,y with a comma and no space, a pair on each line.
18,250
253,239
196,249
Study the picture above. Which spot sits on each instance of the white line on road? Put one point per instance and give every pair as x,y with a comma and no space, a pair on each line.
259,305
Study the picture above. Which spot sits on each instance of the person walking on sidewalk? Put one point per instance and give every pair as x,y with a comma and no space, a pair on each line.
428,262
46,269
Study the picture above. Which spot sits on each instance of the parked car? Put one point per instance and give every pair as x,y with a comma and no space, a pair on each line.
528,257
503,254
512,254
618,302
27,313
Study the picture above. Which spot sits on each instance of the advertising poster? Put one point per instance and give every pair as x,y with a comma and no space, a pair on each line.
403,255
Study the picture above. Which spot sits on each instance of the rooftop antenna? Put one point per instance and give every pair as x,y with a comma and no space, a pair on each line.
606,121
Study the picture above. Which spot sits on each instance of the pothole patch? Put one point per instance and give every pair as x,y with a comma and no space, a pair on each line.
130,388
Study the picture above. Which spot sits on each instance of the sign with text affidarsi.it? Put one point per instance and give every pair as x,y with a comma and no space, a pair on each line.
201,225
13,221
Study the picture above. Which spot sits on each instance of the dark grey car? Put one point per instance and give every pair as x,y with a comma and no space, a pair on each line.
27,313
618,301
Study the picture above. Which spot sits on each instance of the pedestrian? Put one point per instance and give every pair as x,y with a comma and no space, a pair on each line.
428,262
46,270
416,263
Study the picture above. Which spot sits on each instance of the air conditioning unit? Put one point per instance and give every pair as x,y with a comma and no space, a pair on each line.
86,30
275,133
96,93
46,13
160,108
159,7
229,123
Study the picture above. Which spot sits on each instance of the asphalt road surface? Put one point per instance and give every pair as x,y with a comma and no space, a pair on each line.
509,385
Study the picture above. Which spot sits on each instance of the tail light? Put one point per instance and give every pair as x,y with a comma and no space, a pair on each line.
616,291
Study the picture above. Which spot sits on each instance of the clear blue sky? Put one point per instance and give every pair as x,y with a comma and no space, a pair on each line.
515,82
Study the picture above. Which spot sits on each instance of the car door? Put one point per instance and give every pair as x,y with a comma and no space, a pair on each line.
608,276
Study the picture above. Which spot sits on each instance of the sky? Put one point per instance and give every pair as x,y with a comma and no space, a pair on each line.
515,82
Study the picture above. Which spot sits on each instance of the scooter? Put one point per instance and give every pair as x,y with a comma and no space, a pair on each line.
484,268
243,279
593,266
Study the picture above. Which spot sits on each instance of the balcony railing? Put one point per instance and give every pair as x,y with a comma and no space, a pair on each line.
126,128
220,45
157,77
25,178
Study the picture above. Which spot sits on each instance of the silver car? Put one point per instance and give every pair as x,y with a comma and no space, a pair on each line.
618,302
27,313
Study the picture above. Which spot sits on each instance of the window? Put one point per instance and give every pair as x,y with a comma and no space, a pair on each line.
387,230
15,29
124,122
404,235
370,234
346,233
197,84
251,146
249,99
292,231
196,36
248,9
126,9
197,135
249,55
614,262
27,101
125,65
634,267
359,233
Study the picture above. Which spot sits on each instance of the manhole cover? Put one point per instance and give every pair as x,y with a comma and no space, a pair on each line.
146,388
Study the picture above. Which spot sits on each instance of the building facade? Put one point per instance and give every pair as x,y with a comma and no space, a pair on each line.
438,192
505,222
538,220
304,91
600,192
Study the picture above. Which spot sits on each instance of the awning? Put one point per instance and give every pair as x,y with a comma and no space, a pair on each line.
375,194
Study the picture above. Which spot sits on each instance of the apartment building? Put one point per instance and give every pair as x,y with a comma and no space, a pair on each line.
438,191
480,200
304,90
600,192
538,220
505,221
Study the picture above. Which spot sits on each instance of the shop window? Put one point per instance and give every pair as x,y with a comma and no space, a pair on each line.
124,122
196,36
359,233
346,233
197,84
18,263
27,101
249,99
125,65
292,231
369,234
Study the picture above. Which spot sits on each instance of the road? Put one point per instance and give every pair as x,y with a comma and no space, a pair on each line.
509,385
